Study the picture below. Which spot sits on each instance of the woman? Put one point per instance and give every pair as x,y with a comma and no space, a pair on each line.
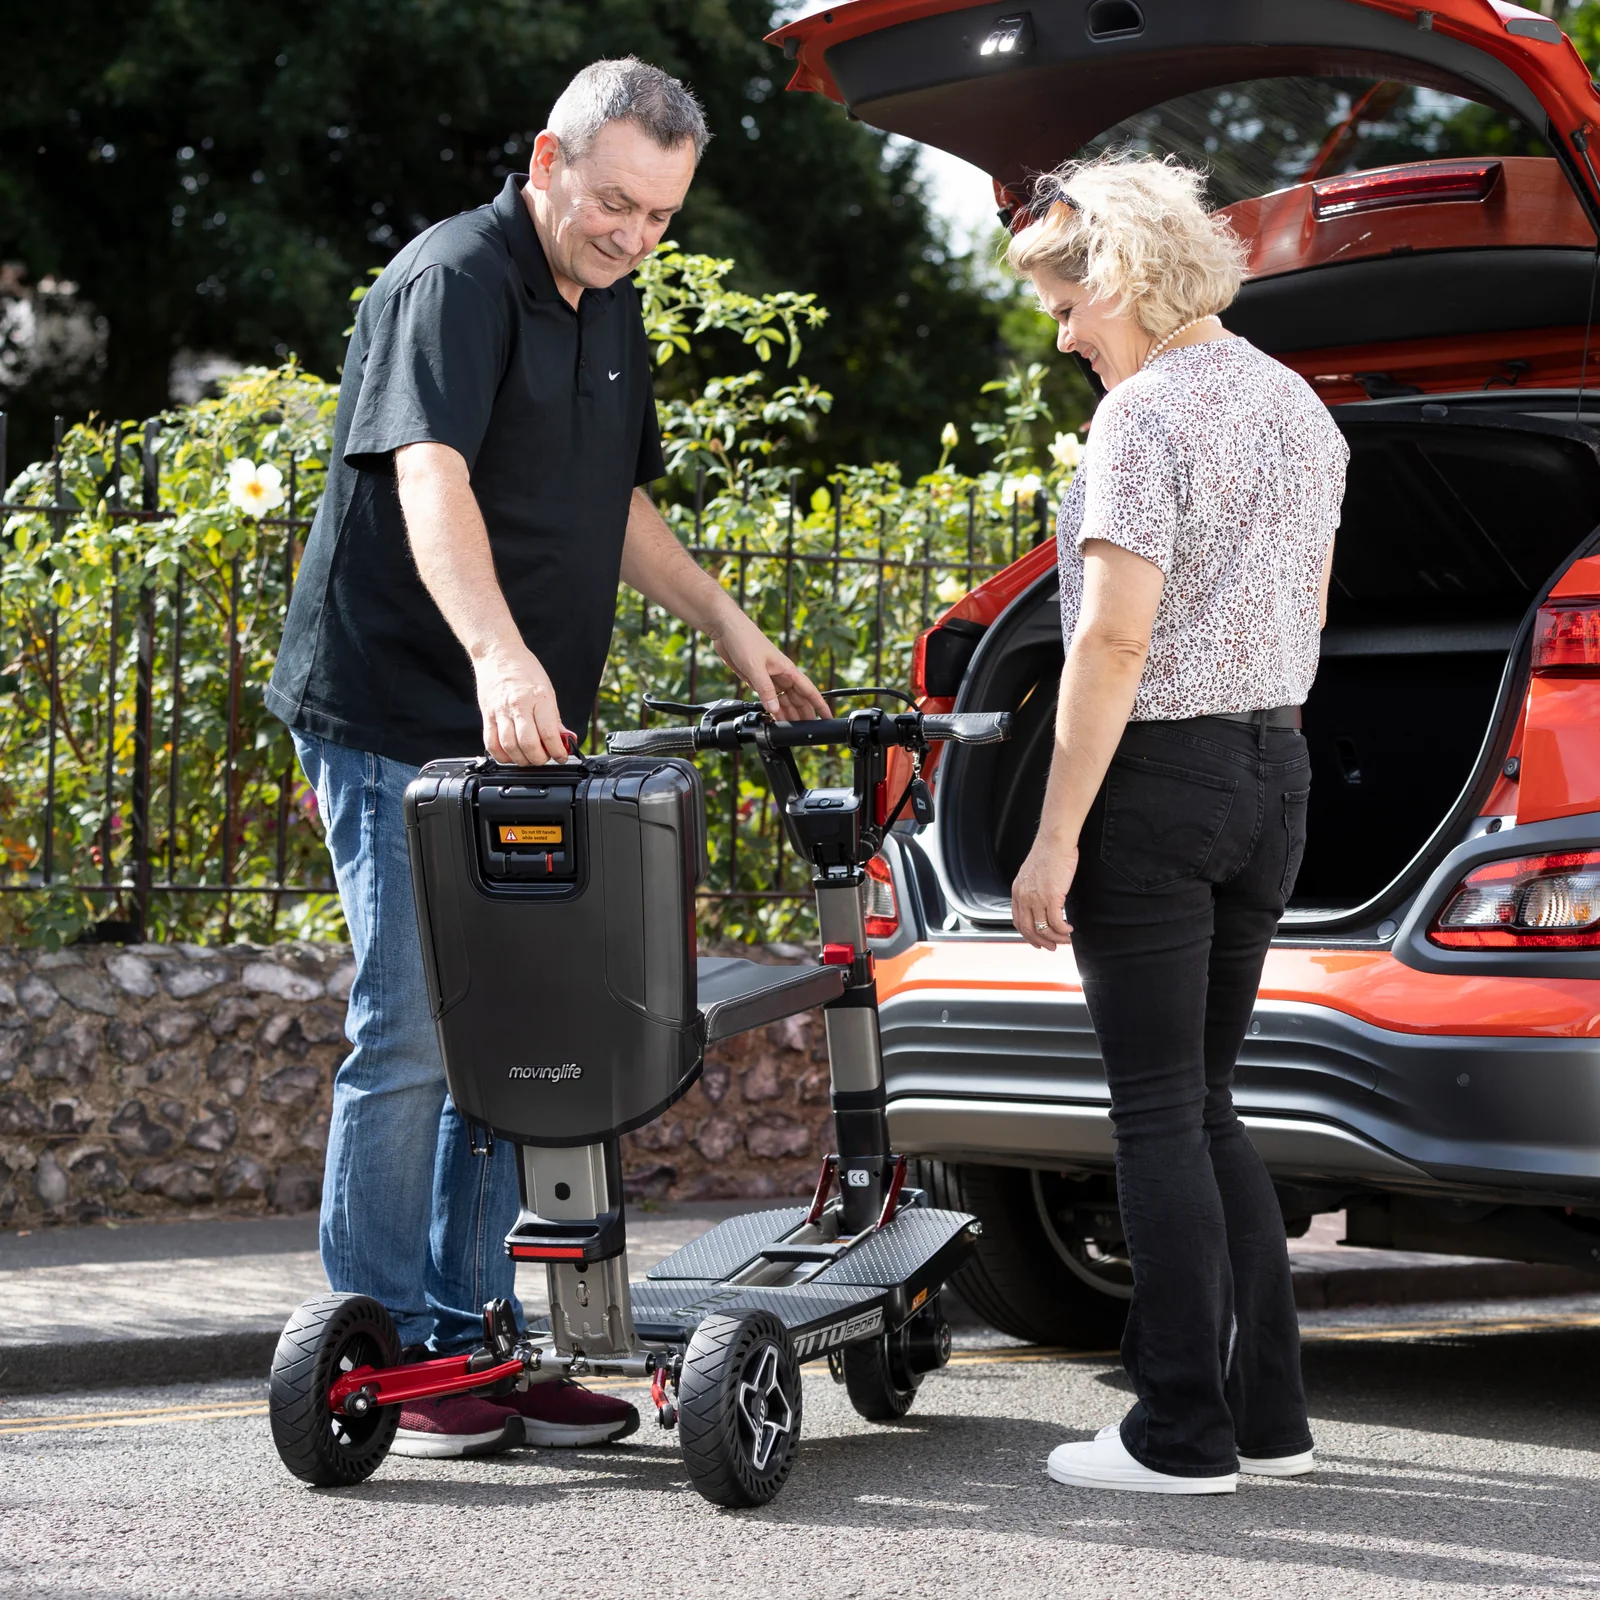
1196,544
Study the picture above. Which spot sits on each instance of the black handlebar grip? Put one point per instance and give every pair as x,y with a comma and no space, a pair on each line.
968,727
652,742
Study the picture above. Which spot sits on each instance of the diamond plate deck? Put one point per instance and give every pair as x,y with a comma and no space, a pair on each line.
728,1245
678,1303
899,1251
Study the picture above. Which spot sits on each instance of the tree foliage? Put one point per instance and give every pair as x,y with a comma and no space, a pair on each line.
845,575
215,176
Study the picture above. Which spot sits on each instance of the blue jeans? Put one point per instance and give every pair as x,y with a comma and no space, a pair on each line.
409,1215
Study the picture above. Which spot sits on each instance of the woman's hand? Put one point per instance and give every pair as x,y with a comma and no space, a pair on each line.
1038,896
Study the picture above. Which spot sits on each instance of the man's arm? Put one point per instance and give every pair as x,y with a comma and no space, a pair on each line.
1105,662
654,563
521,720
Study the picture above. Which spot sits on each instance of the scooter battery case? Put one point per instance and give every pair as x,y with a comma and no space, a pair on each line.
557,915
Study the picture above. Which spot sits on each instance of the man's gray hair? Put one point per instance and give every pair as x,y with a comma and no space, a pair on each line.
627,90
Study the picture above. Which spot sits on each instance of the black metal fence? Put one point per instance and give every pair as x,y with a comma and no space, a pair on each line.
144,775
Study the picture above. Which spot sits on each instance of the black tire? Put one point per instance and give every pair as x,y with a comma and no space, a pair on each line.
324,1338
881,1386
739,1408
1022,1277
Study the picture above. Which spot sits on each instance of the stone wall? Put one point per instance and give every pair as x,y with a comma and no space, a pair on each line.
179,1080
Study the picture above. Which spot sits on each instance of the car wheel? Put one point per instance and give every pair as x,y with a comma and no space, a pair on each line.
1047,1267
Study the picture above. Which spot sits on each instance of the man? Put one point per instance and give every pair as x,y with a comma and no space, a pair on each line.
495,422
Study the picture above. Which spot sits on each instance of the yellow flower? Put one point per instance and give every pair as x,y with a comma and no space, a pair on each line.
1066,451
255,490
950,590
949,438
1023,488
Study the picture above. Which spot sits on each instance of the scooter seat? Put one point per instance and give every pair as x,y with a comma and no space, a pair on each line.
735,995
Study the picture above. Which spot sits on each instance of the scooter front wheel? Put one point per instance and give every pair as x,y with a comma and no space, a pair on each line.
739,1408
324,1339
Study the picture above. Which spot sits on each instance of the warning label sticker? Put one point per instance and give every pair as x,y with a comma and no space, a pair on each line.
530,833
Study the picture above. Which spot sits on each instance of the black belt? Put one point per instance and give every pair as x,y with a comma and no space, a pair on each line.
1276,717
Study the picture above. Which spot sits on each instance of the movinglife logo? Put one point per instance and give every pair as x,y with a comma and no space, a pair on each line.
567,1070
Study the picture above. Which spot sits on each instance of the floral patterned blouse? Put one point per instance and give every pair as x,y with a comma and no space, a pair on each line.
1222,467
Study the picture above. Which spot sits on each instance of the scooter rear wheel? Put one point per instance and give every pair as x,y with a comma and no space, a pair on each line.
877,1377
739,1408
325,1338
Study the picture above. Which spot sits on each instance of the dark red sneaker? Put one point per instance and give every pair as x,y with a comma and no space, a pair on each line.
456,1425
564,1415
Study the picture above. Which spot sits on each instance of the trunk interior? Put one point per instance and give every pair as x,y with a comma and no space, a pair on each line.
1455,519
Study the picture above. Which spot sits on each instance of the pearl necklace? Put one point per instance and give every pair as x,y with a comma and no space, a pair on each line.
1156,350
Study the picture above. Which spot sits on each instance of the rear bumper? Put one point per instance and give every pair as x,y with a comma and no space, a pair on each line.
1328,1099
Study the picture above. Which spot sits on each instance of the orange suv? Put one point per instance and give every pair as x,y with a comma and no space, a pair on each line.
1417,191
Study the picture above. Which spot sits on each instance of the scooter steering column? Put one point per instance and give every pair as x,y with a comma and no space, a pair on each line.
855,1058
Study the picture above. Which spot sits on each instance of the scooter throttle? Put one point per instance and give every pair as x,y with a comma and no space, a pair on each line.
652,742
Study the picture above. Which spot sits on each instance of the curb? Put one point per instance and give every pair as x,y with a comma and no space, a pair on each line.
1324,1289
128,1363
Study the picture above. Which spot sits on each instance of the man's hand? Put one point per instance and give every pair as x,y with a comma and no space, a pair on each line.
781,687
1038,896
521,721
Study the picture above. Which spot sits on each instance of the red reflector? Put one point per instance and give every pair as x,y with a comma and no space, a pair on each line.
1548,902
838,955
541,1252
1566,641
1412,185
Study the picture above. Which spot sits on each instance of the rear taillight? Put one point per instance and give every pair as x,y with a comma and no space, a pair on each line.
1566,641
877,900
1527,903
919,665
1403,186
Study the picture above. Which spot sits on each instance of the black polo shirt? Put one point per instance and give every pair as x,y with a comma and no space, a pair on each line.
463,340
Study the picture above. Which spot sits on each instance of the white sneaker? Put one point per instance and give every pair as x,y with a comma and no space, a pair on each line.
1104,1463
1279,1466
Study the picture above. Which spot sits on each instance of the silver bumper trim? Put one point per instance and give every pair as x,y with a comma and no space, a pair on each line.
1011,1132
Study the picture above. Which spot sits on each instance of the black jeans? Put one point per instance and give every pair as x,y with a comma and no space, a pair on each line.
1186,860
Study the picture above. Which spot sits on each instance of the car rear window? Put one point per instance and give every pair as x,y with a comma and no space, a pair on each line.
1266,134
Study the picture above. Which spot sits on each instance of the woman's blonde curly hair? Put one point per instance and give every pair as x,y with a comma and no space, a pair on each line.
1135,232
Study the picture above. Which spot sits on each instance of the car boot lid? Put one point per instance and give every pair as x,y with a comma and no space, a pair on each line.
1014,89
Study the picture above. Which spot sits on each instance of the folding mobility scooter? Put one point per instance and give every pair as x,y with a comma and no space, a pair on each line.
557,913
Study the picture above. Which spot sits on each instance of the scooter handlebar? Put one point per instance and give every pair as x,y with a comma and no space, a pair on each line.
968,727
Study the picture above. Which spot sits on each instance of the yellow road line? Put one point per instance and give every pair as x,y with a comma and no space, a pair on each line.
1413,1330
199,1414
142,1411
220,1410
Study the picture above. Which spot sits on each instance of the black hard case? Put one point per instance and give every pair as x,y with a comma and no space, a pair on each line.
566,1006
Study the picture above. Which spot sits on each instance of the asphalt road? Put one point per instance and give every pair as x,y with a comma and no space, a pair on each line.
1458,1449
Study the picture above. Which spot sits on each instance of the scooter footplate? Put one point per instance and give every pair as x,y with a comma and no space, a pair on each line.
897,1253
673,1310
729,1245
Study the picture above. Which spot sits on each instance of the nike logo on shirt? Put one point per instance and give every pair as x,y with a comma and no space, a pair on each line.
613,376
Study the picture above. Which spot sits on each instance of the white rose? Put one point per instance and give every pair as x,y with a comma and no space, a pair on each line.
1066,452
255,490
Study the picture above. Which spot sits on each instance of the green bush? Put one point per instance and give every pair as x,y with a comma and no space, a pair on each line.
844,576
